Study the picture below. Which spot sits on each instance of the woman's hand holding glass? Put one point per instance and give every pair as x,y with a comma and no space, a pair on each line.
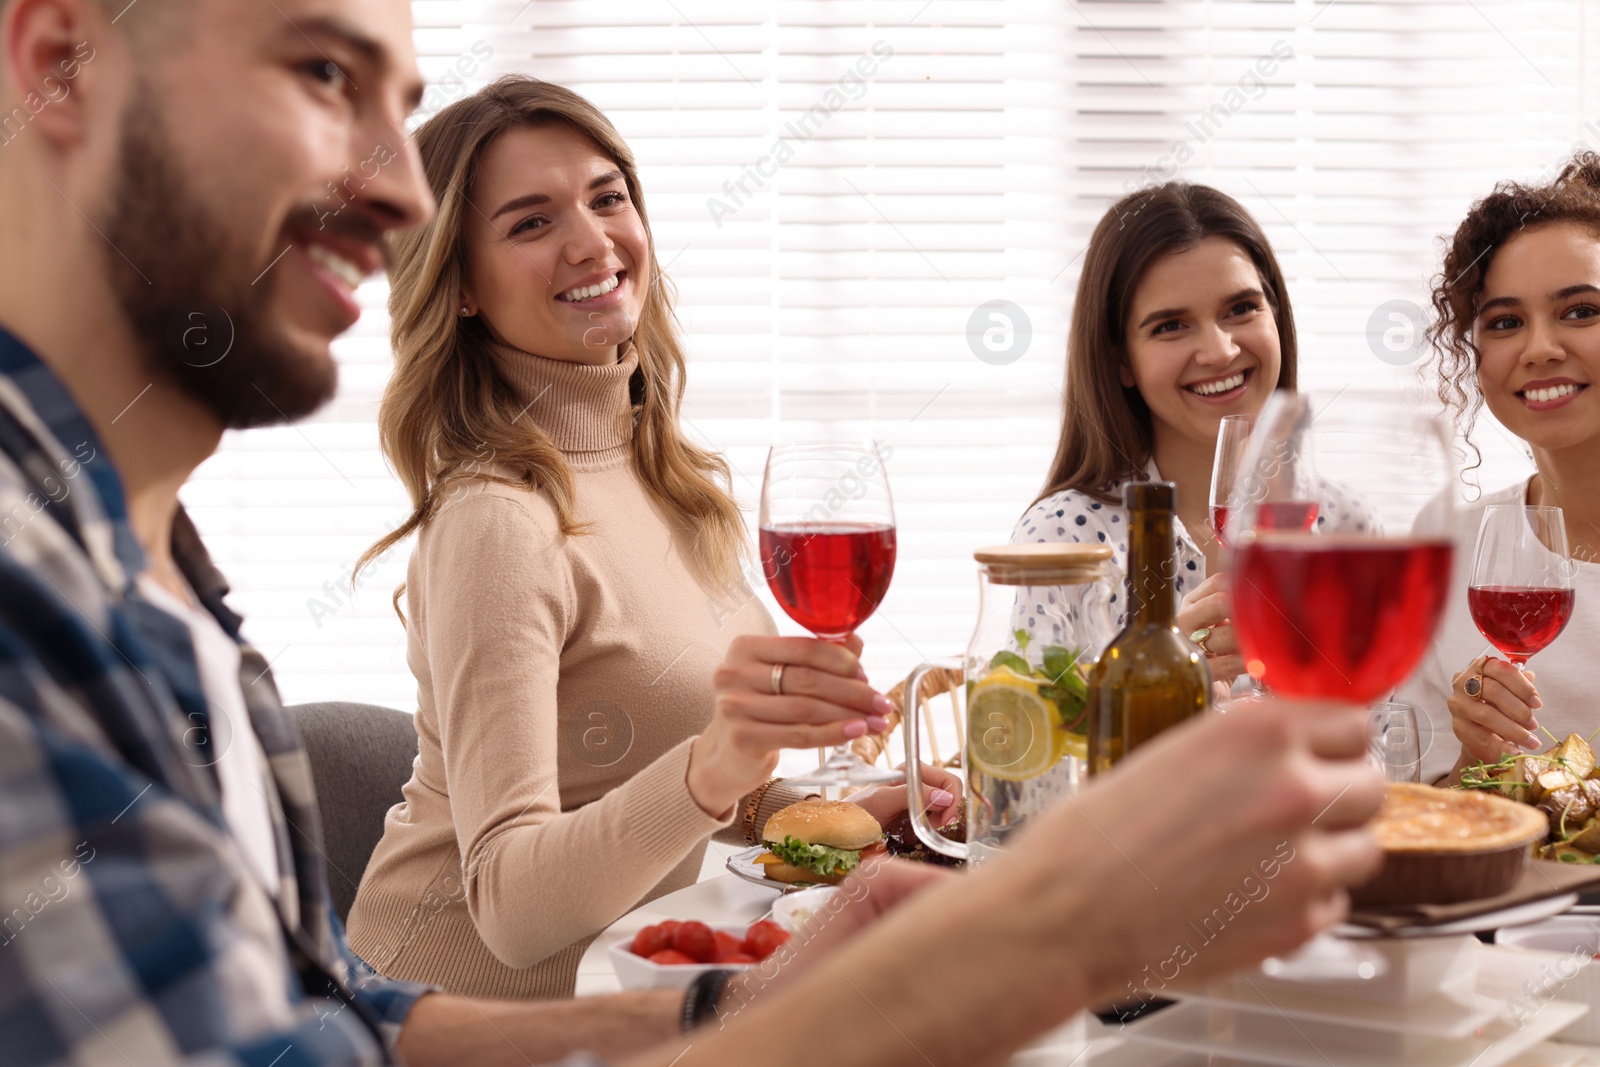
1521,598
1500,719
1209,606
825,700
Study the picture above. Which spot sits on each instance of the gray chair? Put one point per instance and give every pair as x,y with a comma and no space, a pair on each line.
361,757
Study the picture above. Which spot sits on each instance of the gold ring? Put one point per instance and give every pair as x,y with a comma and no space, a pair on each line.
777,678
1200,637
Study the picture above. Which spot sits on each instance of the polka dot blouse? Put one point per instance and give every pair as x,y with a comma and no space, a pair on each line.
1075,517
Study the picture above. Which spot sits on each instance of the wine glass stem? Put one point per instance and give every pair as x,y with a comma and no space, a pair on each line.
840,756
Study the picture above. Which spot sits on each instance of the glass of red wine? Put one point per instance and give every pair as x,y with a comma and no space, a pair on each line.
828,551
1339,617
1521,594
1232,435
1290,504
1347,616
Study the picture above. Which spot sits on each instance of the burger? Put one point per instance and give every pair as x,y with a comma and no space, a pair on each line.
818,841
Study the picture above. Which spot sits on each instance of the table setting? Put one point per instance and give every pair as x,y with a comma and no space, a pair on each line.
1470,948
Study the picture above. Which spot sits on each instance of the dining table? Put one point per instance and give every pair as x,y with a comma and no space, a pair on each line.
728,900
1083,1041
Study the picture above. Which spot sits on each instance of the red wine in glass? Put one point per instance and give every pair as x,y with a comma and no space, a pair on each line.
1339,617
1345,618
1272,515
828,551
1520,621
1521,594
1219,522
1233,434
1297,515
828,576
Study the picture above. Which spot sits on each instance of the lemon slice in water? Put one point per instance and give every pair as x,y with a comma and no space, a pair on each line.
1012,732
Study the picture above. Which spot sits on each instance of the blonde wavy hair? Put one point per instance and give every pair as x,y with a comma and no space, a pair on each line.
447,407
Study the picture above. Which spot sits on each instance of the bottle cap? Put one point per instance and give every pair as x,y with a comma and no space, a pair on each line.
1150,496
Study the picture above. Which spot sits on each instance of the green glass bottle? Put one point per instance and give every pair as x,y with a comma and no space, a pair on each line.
1150,677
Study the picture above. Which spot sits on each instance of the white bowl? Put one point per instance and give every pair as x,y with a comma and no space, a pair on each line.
636,972
1570,942
793,910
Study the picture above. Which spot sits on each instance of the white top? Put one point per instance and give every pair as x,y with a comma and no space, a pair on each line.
1074,516
241,767
1565,673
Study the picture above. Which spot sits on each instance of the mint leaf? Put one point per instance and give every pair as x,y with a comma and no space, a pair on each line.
1060,664
1066,685
1023,637
1010,660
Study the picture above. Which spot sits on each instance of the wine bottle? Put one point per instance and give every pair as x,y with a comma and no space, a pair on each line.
1150,677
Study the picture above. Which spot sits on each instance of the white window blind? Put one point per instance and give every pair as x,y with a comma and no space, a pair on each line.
831,294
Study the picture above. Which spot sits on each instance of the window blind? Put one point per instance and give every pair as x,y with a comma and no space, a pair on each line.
875,213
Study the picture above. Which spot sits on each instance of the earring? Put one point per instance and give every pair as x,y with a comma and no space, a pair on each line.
465,311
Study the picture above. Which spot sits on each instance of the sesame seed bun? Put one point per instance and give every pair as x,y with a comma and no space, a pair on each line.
834,823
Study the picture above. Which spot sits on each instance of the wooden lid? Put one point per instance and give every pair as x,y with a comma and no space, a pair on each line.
1044,564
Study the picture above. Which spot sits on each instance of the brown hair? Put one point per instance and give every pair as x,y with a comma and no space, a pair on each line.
447,411
1574,196
1106,429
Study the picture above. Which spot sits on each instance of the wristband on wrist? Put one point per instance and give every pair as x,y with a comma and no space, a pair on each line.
700,999
752,804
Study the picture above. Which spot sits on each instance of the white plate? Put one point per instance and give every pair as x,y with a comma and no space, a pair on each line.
1276,1039
743,864
1449,1013
1533,911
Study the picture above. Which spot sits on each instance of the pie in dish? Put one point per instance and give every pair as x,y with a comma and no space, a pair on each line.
1443,846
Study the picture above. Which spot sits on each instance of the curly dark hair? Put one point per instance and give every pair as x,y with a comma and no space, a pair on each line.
1574,196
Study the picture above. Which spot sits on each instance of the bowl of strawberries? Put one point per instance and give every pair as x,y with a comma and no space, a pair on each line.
668,955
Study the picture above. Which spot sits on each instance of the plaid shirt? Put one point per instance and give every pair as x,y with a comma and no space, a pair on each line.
132,930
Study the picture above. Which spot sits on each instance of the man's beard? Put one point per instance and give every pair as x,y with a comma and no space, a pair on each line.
200,308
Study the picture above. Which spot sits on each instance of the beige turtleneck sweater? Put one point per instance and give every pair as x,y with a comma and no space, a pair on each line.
560,681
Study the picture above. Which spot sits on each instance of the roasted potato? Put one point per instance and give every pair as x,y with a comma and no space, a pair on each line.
1571,807
1575,756
1564,782
1588,838
1568,810
1525,774
1554,781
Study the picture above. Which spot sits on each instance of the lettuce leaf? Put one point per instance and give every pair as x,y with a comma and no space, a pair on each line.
819,858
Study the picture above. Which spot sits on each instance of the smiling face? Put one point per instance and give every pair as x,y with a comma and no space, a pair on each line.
1537,332
253,185
1202,341
557,255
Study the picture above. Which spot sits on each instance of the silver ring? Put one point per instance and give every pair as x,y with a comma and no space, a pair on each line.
777,678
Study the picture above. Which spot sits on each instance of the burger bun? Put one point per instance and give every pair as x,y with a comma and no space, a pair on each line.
835,823
788,872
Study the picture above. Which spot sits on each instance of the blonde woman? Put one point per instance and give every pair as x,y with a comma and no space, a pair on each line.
598,689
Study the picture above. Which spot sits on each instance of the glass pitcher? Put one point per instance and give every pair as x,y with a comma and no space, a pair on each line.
1044,615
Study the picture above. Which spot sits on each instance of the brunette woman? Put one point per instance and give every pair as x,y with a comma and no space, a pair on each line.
598,689
1517,330
1181,317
